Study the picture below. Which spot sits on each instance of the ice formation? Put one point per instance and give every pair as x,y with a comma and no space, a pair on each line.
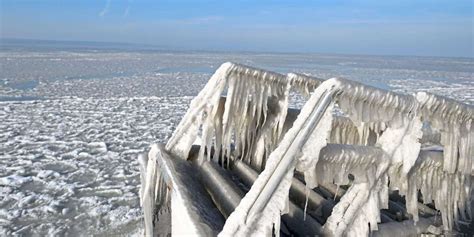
455,121
244,117
379,143
449,192
56,180
155,193
261,208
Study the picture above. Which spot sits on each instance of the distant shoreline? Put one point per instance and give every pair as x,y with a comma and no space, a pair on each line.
14,44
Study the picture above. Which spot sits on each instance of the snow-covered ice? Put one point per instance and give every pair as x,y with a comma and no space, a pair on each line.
72,123
357,213
69,165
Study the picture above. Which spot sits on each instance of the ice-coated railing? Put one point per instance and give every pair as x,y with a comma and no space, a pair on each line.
249,125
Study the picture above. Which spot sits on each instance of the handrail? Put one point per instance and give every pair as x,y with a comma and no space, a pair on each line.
291,148
362,104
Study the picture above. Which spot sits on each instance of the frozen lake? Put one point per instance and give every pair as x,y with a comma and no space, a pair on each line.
72,122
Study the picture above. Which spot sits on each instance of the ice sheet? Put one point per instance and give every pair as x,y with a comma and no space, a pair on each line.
47,141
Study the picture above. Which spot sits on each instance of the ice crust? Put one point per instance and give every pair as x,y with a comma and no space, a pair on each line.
243,221
128,100
244,118
387,127
455,122
449,192
67,167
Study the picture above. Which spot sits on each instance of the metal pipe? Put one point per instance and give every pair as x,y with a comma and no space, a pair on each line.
220,187
299,223
226,196
298,192
296,220
407,228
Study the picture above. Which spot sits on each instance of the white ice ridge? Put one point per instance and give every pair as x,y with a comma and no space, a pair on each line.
382,133
367,194
252,116
304,84
449,192
153,192
244,118
260,210
455,121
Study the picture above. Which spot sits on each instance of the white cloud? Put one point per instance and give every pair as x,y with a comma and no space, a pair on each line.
127,10
106,9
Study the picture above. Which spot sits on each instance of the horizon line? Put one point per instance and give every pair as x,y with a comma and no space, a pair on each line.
155,47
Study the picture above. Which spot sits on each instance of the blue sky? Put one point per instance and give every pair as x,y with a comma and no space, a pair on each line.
404,27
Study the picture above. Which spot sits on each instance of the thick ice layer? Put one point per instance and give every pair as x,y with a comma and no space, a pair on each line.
187,130
311,148
448,192
368,193
376,111
245,119
304,84
337,161
315,118
395,120
153,192
344,131
77,162
455,121
76,189
400,141
252,118
175,178
364,103
358,207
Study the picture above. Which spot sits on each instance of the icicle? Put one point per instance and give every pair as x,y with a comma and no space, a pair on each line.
455,122
252,118
235,122
247,218
304,84
354,211
153,191
337,161
449,192
446,179
368,104
306,201
344,131
371,109
187,130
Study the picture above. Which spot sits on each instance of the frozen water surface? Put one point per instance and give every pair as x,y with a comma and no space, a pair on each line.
69,165
72,122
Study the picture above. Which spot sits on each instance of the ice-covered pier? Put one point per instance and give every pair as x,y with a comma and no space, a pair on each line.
355,160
